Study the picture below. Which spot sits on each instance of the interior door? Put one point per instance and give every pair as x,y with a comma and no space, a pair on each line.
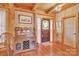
70,31
45,30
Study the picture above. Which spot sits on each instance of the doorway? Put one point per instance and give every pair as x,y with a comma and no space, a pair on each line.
70,31
45,30
42,27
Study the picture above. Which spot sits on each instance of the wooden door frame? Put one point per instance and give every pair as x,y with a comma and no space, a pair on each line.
77,43
77,31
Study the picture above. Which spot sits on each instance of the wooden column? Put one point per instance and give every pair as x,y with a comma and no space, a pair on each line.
11,20
11,25
34,14
54,28
77,41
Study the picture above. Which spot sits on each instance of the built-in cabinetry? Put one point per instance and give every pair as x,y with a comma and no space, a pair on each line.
24,39
24,32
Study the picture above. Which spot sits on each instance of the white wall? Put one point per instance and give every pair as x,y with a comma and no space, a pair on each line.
71,11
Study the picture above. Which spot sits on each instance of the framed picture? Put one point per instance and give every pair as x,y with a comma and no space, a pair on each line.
24,19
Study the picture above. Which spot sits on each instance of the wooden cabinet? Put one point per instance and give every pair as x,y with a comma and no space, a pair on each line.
24,39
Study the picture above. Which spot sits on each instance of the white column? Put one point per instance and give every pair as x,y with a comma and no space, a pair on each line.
51,30
38,30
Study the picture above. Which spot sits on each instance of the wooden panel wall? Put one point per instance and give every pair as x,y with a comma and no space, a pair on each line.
11,16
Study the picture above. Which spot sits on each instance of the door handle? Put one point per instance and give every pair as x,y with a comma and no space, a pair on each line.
74,33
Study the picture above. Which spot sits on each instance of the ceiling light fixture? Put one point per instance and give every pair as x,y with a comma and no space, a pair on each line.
58,8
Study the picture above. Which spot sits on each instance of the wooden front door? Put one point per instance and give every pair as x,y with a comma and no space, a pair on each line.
70,31
45,30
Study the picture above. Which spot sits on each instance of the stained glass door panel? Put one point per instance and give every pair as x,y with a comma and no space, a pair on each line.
45,31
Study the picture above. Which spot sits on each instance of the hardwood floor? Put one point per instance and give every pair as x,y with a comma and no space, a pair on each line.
55,49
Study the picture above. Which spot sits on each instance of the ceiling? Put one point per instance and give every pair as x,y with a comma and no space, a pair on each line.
37,6
28,6
44,7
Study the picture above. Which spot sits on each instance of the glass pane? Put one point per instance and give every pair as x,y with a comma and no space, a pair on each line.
2,23
45,25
